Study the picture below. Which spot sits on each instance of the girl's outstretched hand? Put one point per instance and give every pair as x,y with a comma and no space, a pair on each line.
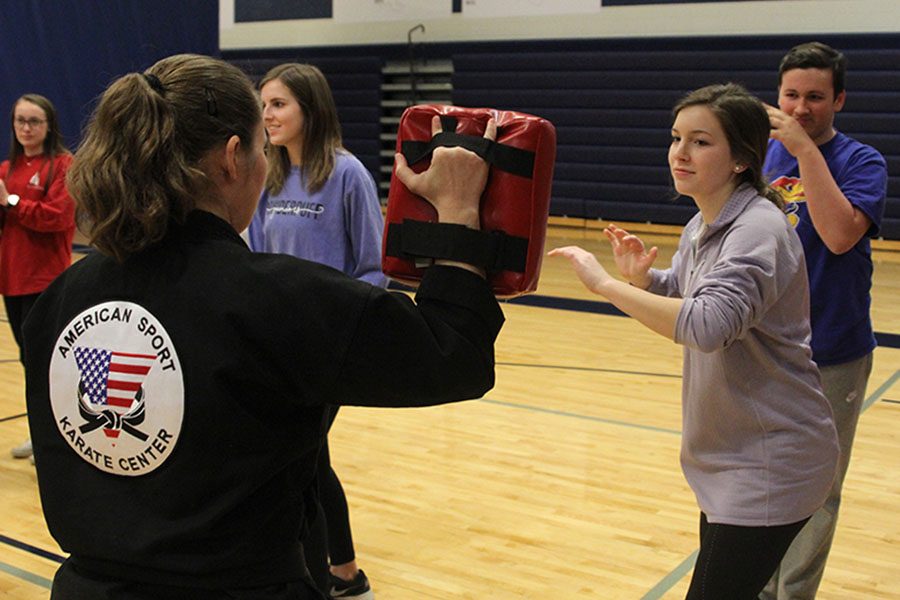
632,258
589,271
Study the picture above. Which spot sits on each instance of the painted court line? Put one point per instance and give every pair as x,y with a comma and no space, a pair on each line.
884,387
886,340
594,369
669,581
562,413
32,549
13,417
26,576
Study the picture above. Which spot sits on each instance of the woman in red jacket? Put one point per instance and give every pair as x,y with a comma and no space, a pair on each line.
37,218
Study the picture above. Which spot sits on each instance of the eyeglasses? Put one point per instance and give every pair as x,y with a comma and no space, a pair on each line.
33,122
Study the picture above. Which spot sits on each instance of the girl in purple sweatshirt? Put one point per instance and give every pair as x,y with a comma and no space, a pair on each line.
759,446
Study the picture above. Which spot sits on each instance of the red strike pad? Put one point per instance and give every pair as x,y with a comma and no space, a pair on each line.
515,204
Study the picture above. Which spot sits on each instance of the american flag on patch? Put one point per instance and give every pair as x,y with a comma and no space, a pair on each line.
112,378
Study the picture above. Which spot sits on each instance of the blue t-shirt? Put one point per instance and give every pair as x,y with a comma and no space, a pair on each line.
340,225
839,284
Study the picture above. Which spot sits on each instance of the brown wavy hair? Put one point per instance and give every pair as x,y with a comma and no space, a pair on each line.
746,125
138,167
321,128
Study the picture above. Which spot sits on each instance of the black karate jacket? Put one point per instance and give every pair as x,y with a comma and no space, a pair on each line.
262,342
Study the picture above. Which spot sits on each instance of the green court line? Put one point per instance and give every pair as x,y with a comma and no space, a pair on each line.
669,581
25,575
884,387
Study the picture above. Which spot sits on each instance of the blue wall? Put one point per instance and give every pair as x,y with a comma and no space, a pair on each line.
611,111
610,100
70,50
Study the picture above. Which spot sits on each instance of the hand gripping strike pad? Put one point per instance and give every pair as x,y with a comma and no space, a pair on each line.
514,205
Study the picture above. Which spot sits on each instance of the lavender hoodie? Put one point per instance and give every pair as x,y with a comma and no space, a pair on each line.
759,446
340,225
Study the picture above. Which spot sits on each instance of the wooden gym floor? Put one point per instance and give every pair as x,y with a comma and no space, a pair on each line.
563,482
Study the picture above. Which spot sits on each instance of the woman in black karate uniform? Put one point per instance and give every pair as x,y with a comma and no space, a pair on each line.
177,382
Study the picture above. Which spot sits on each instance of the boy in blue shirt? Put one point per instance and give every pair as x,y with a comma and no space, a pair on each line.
836,188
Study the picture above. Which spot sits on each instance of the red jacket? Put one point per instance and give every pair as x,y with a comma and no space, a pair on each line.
36,234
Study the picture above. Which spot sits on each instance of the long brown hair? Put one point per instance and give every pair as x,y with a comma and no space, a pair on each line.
321,128
53,144
139,165
746,124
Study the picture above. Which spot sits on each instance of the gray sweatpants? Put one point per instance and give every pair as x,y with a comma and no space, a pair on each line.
798,576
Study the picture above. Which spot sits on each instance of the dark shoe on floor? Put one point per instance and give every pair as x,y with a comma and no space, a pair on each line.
358,589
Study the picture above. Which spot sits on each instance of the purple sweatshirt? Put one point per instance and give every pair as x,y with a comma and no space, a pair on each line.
340,225
759,446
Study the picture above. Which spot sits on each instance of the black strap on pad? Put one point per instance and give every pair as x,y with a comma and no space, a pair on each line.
506,158
423,241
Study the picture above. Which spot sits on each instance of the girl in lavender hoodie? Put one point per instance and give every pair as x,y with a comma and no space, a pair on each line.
759,446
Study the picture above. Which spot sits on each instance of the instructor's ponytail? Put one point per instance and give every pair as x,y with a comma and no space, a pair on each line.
139,167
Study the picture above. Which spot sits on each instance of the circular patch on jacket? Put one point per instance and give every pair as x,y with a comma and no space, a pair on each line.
117,389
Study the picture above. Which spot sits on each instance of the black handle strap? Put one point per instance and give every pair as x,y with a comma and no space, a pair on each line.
492,251
506,158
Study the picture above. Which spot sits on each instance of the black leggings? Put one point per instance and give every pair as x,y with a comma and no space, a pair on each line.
334,505
17,308
330,540
736,562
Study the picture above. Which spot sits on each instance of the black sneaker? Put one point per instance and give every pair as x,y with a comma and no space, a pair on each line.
358,589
